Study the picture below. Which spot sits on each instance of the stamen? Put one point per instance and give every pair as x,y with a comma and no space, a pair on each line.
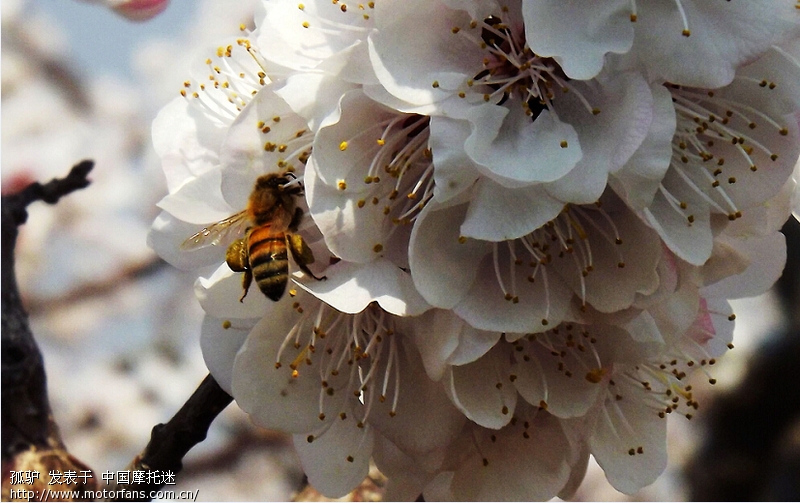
685,21
496,262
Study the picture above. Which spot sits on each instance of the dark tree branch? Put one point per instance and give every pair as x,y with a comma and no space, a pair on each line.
170,442
26,411
30,437
50,192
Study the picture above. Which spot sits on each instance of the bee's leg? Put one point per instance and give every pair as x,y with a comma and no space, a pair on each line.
296,219
238,260
301,253
247,280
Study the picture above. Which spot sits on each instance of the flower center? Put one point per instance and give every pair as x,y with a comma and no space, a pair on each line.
565,236
570,346
707,127
355,357
400,174
511,72
236,73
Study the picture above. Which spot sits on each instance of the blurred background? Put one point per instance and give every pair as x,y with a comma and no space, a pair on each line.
119,329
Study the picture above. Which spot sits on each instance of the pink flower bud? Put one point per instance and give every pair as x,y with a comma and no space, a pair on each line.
138,10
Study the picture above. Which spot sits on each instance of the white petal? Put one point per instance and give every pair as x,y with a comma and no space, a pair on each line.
517,467
578,34
675,314
351,287
440,488
723,36
351,233
472,344
166,236
638,181
408,66
514,151
337,461
443,269
610,287
406,477
643,328
454,171
691,241
768,257
712,331
498,213
272,396
425,418
628,424
438,342
301,38
557,382
349,123
609,138
243,153
752,188
220,346
313,96
765,218
219,296
199,200
482,390
540,304
779,66
186,141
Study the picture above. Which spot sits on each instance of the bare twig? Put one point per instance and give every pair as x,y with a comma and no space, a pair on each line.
30,437
170,442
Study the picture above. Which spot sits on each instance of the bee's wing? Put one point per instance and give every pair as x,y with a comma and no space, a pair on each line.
216,232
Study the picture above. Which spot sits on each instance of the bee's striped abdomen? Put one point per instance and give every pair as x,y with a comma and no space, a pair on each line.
269,261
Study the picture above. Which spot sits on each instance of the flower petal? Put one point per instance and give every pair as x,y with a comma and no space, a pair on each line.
425,418
199,200
625,426
498,213
609,138
514,151
408,66
767,256
220,346
637,182
219,296
577,34
723,36
540,303
337,461
350,287
482,390
256,144
272,396
517,463
435,253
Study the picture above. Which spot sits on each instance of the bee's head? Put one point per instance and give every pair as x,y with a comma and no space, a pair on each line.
277,181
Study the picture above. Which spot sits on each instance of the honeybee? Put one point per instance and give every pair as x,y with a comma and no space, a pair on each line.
268,222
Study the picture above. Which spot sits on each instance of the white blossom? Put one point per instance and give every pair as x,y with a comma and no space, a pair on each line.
529,216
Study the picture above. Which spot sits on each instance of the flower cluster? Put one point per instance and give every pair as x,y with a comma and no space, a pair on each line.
507,229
